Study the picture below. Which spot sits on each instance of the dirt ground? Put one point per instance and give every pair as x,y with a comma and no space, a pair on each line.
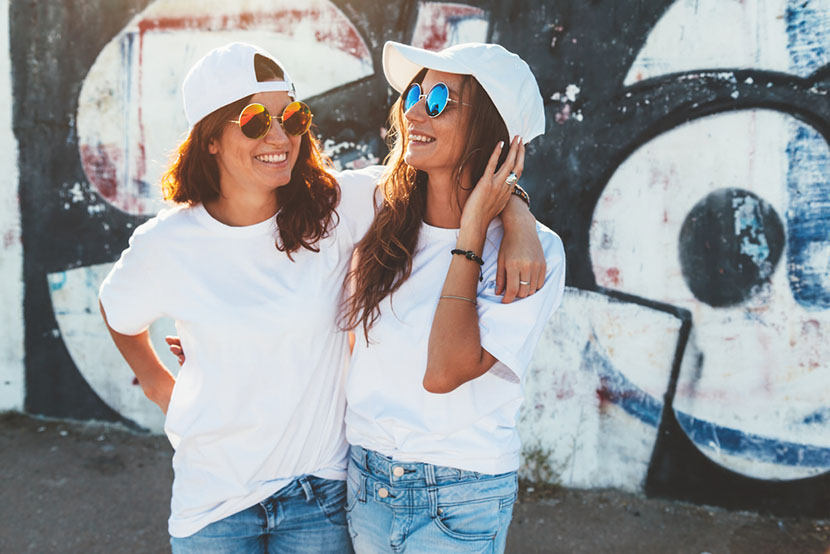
68,487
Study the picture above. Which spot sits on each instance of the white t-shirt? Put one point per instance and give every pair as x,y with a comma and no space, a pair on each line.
259,400
473,427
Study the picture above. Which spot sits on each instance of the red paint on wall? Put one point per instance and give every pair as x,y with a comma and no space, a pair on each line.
100,164
340,34
613,275
435,24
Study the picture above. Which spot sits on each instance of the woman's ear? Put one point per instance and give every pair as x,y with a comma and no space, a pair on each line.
213,148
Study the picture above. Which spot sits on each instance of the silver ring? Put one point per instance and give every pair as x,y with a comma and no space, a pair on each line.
524,282
511,180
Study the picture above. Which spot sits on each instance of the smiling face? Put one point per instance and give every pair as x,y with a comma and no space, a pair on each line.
435,145
256,165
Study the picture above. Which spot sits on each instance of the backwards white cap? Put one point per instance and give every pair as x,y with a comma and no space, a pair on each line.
225,75
505,77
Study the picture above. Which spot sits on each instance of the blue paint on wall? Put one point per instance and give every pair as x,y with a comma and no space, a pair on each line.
808,221
820,416
808,217
808,26
755,447
619,390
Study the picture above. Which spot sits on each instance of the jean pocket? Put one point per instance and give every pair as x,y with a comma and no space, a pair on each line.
330,495
470,521
352,492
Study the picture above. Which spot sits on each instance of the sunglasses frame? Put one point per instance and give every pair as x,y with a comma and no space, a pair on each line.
270,118
422,96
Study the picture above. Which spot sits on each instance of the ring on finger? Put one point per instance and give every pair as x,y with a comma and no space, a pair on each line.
511,180
523,282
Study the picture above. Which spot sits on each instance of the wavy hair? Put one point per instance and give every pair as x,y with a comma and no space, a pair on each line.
384,255
307,202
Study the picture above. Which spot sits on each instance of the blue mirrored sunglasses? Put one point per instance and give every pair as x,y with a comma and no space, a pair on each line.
436,99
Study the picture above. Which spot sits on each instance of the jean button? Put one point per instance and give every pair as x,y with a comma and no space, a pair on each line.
398,471
382,492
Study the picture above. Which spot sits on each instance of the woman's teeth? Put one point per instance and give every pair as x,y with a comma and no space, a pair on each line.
272,158
421,138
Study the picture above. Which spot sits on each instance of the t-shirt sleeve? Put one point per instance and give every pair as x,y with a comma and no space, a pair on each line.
358,194
510,332
130,293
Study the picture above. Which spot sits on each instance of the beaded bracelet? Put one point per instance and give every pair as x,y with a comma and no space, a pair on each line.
470,255
521,193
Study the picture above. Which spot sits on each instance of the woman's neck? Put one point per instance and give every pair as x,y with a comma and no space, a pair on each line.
240,209
445,199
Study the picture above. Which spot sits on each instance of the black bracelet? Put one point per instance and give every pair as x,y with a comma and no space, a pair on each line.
470,255
521,193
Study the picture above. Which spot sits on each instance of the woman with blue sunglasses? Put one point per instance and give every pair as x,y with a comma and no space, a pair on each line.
250,264
434,384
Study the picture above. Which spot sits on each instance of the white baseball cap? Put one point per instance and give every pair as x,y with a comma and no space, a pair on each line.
505,77
225,75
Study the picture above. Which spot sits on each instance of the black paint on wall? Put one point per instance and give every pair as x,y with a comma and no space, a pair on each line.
723,268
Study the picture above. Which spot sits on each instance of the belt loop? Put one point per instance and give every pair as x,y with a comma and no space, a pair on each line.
309,492
364,483
429,474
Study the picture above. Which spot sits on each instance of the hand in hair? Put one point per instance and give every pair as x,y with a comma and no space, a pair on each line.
491,193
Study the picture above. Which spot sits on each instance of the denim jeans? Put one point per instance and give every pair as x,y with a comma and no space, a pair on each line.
304,517
424,508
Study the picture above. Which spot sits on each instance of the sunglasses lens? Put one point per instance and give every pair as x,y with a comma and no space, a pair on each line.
412,96
296,118
437,99
254,121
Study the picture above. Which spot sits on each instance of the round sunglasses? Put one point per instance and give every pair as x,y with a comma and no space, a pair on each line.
255,119
436,99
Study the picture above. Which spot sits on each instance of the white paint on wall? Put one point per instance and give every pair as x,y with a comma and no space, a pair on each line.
764,364
443,24
12,383
74,296
595,355
705,34
130,116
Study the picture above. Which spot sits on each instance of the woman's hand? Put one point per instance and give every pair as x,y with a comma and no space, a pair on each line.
491,193
175,347
521,263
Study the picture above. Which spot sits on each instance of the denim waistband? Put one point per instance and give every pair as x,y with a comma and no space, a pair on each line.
409,473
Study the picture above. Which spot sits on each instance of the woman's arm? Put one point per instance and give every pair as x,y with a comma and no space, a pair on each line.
155,380
455,355
521,257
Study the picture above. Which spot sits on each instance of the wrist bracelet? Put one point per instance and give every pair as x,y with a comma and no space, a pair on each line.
521,193
473,302
470,255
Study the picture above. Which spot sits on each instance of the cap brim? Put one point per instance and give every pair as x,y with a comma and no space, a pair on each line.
402,62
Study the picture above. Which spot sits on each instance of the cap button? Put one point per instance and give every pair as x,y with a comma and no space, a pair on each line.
383,493
398,471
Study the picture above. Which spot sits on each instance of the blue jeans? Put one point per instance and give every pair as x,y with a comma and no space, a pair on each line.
424,508
304,517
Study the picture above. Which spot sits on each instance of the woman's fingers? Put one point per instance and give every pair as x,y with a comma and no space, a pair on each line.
520,160
501,273
507,167
494,159
511,284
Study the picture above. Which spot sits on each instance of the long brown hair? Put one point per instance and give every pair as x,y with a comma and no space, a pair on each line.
306,202
384,255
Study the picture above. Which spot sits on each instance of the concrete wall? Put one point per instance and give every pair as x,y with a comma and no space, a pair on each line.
686,166
11,248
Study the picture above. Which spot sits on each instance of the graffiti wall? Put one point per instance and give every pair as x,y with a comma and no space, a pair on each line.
686,165
11,249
